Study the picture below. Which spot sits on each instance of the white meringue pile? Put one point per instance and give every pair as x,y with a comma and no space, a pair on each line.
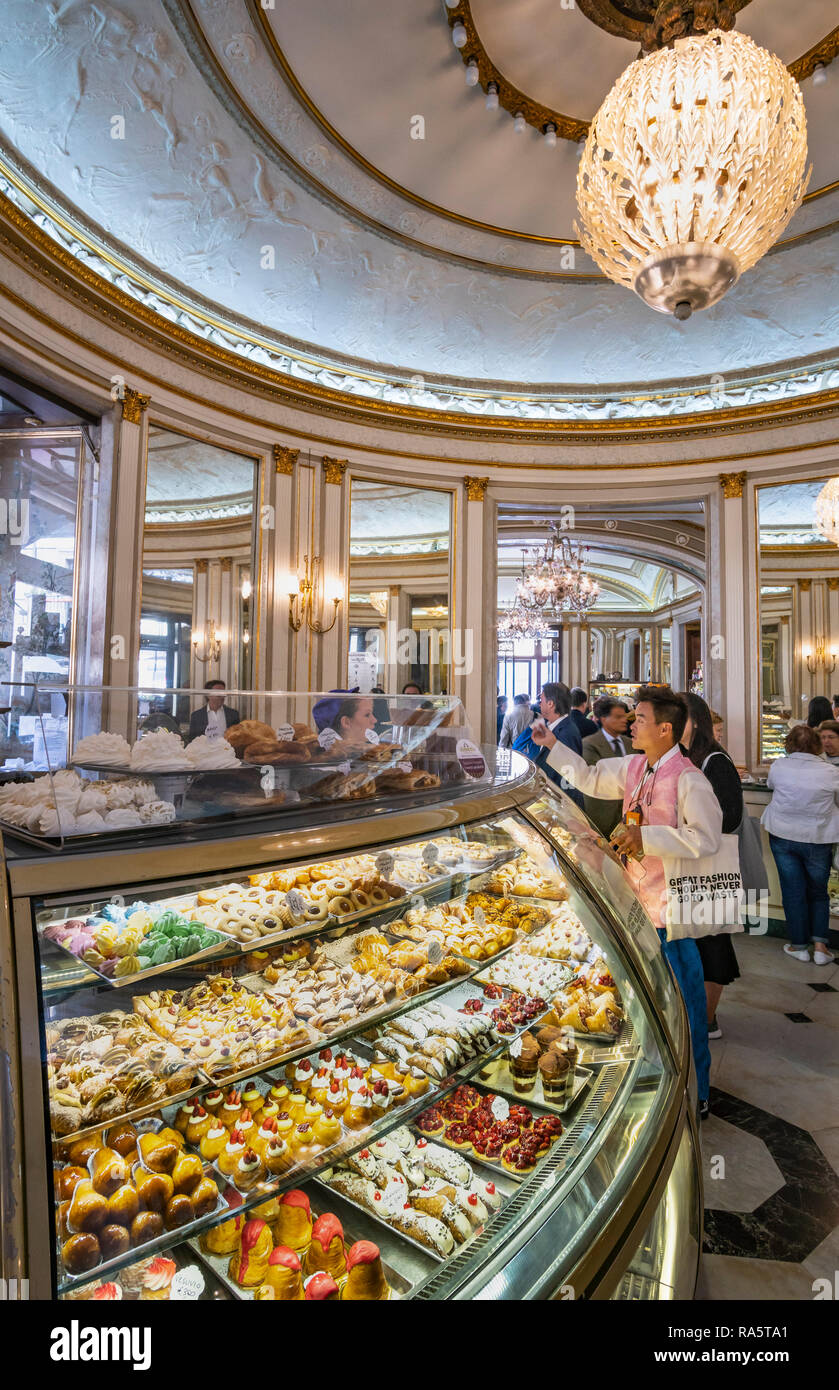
71,805
102,748
162,751
211,753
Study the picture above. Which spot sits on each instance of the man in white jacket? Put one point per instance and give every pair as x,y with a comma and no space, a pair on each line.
670,814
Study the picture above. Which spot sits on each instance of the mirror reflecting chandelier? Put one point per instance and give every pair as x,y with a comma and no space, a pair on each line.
695,162
827,511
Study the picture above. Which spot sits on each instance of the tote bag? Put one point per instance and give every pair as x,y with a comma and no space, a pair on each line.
704,896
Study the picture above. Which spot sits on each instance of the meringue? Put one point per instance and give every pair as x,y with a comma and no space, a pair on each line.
102,748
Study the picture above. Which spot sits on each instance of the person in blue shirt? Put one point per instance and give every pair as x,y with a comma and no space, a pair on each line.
555,708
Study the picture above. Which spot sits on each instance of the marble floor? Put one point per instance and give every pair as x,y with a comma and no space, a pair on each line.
771,1144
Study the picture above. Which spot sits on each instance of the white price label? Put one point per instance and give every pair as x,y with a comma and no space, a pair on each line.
344,769
296,902
385,862
285,733
417,902
479,917
187,1283
327,737
394,1197
500,1109
267,780
371,735
515,1047
430,854
404,766
435,952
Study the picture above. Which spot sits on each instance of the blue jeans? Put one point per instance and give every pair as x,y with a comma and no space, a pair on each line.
804,869
686,964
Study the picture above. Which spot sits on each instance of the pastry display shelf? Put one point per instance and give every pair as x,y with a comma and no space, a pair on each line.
57,971
505,1184
498,1077
273,1186
355,1226
492,1165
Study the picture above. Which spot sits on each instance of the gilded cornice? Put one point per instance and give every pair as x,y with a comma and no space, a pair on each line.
27,244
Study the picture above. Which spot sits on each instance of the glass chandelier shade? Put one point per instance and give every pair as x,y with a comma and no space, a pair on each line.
555,578
692,168
827,511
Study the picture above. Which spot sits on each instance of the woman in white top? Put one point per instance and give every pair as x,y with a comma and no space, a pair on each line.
802,821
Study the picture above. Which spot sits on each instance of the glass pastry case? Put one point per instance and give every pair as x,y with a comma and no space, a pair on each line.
418,1044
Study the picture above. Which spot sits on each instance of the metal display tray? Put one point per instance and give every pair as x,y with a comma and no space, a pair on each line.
400,1285
498,1077
491,1165
506,1186
209,952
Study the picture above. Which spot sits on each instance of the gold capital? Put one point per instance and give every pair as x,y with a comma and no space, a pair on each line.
804,585
833,583
134,403
284,458
476,488
201,566
226,562
334,470
732,484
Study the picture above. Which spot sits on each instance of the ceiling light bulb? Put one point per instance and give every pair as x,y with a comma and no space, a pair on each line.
519,123
459,35
472,73
452,4
550,135
246,589
492,97
819,74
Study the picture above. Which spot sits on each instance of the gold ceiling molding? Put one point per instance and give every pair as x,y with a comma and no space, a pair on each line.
134,405
732,484
822,52
630,19
32,247
284,458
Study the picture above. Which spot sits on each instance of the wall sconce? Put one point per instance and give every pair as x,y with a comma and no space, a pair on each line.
247,590
212,644
303,596
818,659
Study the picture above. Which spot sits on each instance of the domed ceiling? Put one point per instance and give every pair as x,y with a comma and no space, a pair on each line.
316,184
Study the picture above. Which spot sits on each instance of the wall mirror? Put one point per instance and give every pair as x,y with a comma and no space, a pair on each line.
799,610
399,588
198,539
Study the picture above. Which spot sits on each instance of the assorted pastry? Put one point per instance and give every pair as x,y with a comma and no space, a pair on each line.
223,1027
550,1055
455,929
119,941
509,912
521,970
417,967
123,1188
522,877
63,803
282,1251
436,1039
591,1002
149,1279
491,1129
563,938
425,1192
328,995
103,1066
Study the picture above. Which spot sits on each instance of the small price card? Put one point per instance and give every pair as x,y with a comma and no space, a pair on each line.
296,902
285,733
430,854
515,1047
404,766
385,862
435,952
371,736
500,1109
187,1283
327,737
479,917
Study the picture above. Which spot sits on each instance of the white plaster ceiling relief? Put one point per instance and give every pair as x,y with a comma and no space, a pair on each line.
197,197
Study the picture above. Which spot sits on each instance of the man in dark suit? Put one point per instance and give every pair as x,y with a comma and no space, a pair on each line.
555,708
214,716
610,741
579,713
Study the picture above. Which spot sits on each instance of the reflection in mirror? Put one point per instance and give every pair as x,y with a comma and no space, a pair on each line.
799,611
197,565
399,588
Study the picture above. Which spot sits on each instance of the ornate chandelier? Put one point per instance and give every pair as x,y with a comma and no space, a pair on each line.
827,511
555,578
518,624
694,163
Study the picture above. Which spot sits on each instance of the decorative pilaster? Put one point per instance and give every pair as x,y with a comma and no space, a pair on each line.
284,458
134,405
724,651
476,488
732,484
334,470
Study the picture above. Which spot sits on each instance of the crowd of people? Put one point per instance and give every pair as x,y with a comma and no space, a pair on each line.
654,778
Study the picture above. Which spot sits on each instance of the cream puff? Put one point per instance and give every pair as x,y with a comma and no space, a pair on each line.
253,1099
277,1156
327,1129
312,1112
184,1115
213,1101
198,1125
213,1141
359,1112
231,1153
337,1099
231,1109
285,1125
266,1132
248,1171
281,1094
319,1089
381,1097
304,1074
246,1126
296,1106
303,1143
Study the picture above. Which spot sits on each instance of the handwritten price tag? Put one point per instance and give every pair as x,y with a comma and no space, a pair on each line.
394,1198
500,1109
479,917
371,736
404,766
327,737
344,769
515,1047
296,902
430,854
285,733
435,952
385,862
187,1283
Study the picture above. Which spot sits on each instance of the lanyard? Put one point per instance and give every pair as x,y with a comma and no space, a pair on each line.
635,799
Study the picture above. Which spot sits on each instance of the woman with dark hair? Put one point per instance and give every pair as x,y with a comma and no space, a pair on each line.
719,961
802,821
818,710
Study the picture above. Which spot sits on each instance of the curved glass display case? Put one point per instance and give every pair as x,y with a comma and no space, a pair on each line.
420,1047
